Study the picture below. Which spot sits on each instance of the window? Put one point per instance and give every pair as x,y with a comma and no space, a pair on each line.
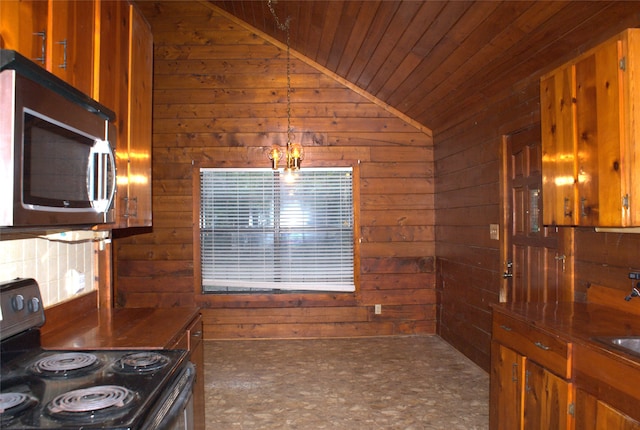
261,231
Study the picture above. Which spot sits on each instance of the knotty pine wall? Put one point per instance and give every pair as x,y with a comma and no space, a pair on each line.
467,200
220,101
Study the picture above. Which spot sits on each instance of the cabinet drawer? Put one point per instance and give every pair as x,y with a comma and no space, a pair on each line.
545,349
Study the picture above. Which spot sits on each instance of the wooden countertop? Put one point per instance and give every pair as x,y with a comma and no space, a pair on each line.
605,372
122,328
579,323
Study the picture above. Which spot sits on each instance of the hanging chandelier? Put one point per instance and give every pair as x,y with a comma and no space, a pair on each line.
294,152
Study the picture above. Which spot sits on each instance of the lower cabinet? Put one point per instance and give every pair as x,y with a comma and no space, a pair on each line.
530,378
547,399
608,389
525,395
594,414
548,372
507,388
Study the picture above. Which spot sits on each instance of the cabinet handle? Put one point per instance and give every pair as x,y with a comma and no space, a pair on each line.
583,204
514,372
567,207
64,54
43,48
128,203
505,328
542,346
527,387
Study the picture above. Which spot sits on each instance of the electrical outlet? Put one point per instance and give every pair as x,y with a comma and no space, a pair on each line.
378,309
634,275
494,231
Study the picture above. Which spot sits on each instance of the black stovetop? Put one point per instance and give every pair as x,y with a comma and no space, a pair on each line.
111,394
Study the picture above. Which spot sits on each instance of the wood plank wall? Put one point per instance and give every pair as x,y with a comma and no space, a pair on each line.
468,199
220,101
606,259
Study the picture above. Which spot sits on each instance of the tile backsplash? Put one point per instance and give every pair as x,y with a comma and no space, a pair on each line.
62,269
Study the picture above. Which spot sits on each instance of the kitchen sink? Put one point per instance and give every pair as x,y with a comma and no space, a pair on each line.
629,344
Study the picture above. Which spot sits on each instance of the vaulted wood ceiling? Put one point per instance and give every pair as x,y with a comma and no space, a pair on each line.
429,59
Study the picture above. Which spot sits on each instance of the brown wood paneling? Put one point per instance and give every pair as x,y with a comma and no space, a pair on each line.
432,59
606,259
220,101
468,200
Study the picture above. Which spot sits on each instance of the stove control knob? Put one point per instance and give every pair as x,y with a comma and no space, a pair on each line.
33,305
17,302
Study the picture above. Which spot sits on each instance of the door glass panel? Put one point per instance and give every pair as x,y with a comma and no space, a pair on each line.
534,210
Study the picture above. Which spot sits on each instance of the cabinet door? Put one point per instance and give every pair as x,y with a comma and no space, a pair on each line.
593,414
546,399
558,148
628,67
70,42
124,85
139,136
23,28
598,110
507,373
587,114
112,89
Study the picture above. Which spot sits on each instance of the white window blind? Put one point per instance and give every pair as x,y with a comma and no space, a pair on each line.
258,230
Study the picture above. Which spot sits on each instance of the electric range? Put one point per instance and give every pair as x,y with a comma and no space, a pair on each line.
108,389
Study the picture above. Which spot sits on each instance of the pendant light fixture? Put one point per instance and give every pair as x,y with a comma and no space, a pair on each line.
294,153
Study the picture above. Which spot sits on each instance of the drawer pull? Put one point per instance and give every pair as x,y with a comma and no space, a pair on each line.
505,328
542,346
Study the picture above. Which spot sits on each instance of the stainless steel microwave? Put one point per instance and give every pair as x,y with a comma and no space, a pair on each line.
57,162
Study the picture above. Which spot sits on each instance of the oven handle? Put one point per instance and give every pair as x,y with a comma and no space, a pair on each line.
174,403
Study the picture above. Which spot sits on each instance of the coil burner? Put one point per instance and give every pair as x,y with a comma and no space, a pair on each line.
93,404
65,365
13,404
141,362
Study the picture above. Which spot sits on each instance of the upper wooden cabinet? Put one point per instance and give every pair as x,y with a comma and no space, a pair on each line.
23,28
58,35
138,201
590,109
126,64
70,42
103,48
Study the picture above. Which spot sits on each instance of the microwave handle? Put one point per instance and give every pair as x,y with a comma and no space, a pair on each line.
101,186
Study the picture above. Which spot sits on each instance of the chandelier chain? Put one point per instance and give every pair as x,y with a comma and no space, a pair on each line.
285,27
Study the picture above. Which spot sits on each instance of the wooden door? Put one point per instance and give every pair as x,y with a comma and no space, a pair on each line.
532,263
546,400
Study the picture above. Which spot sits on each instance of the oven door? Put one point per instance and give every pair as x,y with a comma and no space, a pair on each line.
174,409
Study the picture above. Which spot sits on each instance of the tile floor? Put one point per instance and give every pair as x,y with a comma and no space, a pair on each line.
409,383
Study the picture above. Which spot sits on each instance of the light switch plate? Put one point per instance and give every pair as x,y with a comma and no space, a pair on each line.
494,231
